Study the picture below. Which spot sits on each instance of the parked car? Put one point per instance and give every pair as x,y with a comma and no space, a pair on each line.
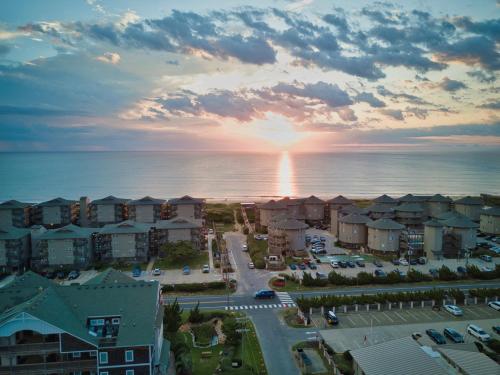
61,275
73,275
206,268
360,263
462,270
318,251
321,276
453,335
312,266
422,260
378,263
403,262
496,329
308,237
293,266
454,310
156,272
416,335
413,262
251,265
351,264
136,272
322,239
331,318
478,332
342,264
302,266
494,305
486,258
436,336
334,264
379,273
395,262
186,270
265,293
244,248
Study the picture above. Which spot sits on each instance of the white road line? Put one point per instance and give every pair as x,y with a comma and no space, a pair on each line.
424,314
387,316
374,316
244,307
472,312
274,306
354,324
400,316
251,307
363,319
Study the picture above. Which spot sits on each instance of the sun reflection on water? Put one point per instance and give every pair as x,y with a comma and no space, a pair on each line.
285,176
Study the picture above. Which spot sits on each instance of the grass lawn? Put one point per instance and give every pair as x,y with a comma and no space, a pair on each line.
195,262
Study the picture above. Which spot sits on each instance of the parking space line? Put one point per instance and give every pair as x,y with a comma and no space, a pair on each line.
424,314
363,319
353,324
387,316
374,316
470,311
400,316
439,316
412,315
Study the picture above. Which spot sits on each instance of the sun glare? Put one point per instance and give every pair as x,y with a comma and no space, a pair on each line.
285,176
278,130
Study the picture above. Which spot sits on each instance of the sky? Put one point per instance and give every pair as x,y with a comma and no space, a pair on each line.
307,75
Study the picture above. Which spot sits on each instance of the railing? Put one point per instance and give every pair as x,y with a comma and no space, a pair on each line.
19,349
49,367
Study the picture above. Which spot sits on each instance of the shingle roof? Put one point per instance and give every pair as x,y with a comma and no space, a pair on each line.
379,208
410,198
460,222
340,199
395,357
385,224
287,201
433,223
127,226
147,200
471,363
354,219
110,199
354,210
176,223
186,199
447,215
291,224
492,211
69,231
470,201
385,199
8,205
13,233
273,205
313,200
57,202
109,276
439,198
409,207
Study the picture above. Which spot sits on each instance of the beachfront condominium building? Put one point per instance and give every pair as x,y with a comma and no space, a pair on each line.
353,232
379,211
178,229
433,239
67,247
15,213
56,213
147,210
127,241
267,211
336,205
108,210
384,236
110,325
14,248
187,207
490,221
437,204
287,237
410,214
464,229
470,207
314,209
386,200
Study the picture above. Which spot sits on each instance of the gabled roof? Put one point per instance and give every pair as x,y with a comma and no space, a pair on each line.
176,223
110,199
186,199
354,210
340,199
433,223
109,276
313,200
385,224
471,362
447,215
492,211
273,205
409,207
354,219
13,233
439,198
385,199
147,200
287,201
57,202
127,226
69,231
470,201
460,222
12,204
380,208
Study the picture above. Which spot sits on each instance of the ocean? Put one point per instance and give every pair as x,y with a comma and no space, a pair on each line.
40,176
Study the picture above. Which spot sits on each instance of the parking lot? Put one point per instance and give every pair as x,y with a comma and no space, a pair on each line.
360,329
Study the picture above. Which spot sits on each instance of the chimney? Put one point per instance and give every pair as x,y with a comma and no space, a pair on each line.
84,211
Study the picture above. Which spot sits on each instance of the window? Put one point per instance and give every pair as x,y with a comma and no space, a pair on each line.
96,322
77,355
93,354
129,372
115,321
129,356
103,357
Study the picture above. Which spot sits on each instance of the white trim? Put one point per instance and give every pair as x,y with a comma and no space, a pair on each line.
129,372
129,352
103,361
126,365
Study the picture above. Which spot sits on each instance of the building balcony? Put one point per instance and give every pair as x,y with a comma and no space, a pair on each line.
49,367
28,349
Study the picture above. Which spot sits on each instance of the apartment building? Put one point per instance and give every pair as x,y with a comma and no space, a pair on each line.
470,207
147,210
353,232
178,229
110,325
336,205
314,209
383,236
490,221
56,213
192,209
108,210
69,247
14,248
287,237
127,241
15,213
410,214
437,204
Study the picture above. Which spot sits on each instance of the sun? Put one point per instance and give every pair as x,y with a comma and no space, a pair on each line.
277,130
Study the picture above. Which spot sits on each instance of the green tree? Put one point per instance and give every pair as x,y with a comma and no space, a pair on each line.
172,318
195,315
177,252
229,327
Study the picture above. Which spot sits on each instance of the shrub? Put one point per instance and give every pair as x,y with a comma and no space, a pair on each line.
364,278
230,326
494,345
195,316
203,333
308,280
245,230
194,287
416,276
259,263
445,274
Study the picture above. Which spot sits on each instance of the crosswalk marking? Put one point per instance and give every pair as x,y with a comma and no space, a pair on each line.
256,307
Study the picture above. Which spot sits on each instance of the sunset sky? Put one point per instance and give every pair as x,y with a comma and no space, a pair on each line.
307,75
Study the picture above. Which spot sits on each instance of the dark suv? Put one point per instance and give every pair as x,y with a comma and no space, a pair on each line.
436,336
453,335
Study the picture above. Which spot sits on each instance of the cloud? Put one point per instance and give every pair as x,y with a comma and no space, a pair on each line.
109,58
492,104
172,62
482,76
476,50
327,93
413,99
489,28
396,114
451,85
369,98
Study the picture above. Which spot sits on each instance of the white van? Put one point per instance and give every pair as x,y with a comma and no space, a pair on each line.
478,332
334,264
